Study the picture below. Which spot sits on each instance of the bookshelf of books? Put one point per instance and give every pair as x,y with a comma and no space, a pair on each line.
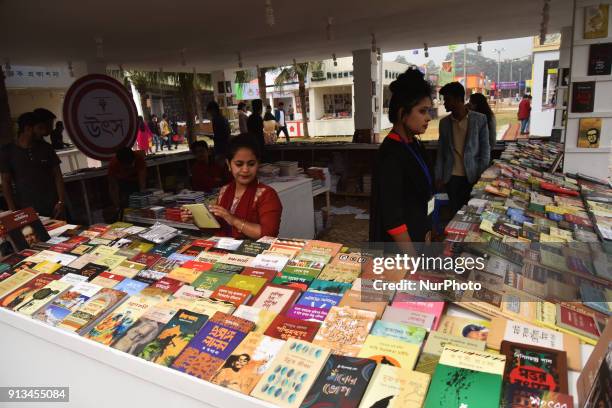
144,316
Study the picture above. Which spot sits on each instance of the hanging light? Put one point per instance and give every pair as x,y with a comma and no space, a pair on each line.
378,54
70,70
270,20
544,23
330,30
334,58
479,48
239,60
373,42
426,49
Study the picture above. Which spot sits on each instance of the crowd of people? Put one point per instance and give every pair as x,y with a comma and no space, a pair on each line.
404,180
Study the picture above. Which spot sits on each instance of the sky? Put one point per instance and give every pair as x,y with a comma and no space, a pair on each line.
512,48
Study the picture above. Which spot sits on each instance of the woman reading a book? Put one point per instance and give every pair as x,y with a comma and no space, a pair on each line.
402,193
245,207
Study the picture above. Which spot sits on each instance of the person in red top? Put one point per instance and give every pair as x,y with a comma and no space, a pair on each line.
245,207
205,175
127,174
524,112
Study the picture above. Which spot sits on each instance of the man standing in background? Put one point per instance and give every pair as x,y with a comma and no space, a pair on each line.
281,119
242,117
154,128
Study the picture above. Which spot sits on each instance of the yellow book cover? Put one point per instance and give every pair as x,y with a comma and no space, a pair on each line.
340,273
42,297
395,388
251,283
103,250
47,267
124,271
13,282
185,275
473,360
596,21
202,217
110,261
209,307
385,350
261,317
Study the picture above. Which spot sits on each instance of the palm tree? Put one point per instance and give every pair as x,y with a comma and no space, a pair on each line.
298,70
6,133
143,81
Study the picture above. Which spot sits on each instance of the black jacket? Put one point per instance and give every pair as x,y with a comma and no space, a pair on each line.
400,192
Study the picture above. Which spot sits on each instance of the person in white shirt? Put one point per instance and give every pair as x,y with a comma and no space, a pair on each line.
280,116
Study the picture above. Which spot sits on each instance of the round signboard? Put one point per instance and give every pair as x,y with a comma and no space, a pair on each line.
100,116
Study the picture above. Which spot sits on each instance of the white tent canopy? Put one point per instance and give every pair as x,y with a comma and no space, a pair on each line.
156,34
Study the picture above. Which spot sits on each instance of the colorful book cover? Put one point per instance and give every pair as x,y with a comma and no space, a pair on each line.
124,271
163,288
576,321
189,292
174,337
252,248
358,299
184,275
337,288
434,308
114,326
209,257
91,270
211,306
595,21
42,297
166,265
103,250
130,286
66,303
399,331
517,396
110,261
275,298
145,258
270,261
340,272
251,283
319,300
322,247
107,280
149,276
245,366
466,378
47,267
474,329
432,350
535,367
345,330
267,274
94,308
211,280
235,296
198,266
284,328
289,378
145,330
392,387
386,350
23,293
227,268
341,383
315,314
318,258
16,280
260,317
211,346
293,281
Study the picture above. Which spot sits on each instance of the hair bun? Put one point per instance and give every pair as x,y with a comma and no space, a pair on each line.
408,80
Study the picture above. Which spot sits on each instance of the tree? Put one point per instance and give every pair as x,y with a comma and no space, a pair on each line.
261,82
298,70
143,81
477,63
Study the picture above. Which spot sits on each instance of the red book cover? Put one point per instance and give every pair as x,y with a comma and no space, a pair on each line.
557,189
101,228
63,247
233,295
168,284
198,266
283,327
580,322
267,274
574,219
17,296
276,298
147,259
77,240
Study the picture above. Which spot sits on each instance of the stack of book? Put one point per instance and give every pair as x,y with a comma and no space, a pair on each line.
287,168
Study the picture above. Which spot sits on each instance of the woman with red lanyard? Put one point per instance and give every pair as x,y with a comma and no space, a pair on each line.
246,208
402,195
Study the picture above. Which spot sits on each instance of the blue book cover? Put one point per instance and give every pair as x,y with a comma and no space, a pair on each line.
182,258
319,300
399,331
332,287
130,286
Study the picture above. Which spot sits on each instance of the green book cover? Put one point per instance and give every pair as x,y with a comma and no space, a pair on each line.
211,280
227,268
310,273
454,387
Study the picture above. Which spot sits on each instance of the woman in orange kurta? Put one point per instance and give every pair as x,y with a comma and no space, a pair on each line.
246,208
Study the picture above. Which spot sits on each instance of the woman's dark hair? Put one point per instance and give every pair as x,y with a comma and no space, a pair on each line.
141,124
125,156
241,105
479,104
257,105
59,123
243,141
406,91
26,120
229,363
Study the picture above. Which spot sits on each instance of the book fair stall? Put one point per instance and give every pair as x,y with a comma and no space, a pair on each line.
290,322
